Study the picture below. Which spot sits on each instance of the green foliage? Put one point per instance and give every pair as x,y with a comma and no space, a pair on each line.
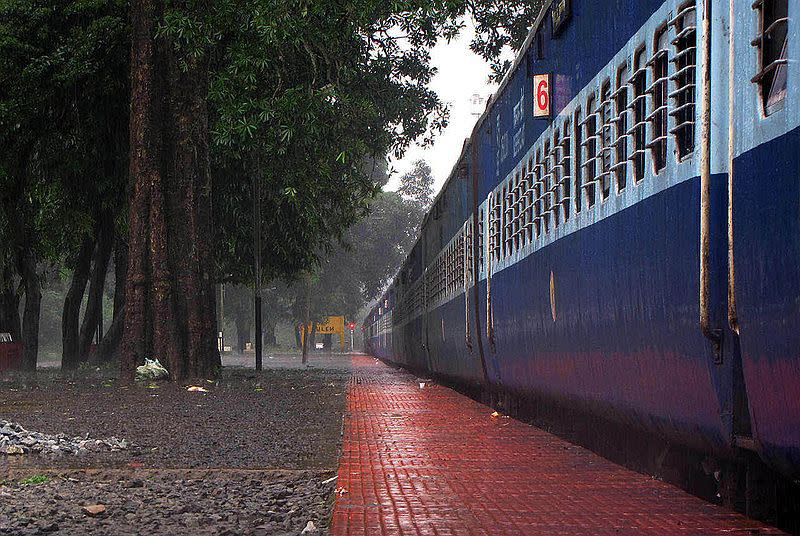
34,480
63,120
502,25
356,272
417,185
305,96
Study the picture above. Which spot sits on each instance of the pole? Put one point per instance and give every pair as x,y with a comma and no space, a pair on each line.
221,318
307,319
257,256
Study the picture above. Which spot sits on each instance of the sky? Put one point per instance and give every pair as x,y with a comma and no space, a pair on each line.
461,75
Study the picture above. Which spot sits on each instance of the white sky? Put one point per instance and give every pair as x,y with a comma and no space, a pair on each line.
461,75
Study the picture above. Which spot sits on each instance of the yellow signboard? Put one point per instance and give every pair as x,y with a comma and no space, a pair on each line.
332,325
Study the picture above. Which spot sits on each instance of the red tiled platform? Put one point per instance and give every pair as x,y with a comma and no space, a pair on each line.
431,461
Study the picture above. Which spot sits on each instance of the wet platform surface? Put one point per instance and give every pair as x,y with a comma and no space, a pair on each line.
428,460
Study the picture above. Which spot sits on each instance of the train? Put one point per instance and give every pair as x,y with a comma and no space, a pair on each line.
620,233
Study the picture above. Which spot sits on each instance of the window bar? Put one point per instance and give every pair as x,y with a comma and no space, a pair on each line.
683,12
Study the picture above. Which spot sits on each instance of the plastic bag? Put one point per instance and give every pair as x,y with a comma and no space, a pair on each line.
151,370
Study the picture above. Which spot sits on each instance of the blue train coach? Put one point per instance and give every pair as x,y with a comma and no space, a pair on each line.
621,232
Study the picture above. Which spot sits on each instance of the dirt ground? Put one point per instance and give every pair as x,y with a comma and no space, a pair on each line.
254,455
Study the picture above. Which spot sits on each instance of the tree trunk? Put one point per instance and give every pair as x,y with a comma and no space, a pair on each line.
33,306
242,331
9,305
307,318
269,333
120,273
304,358
72,306
170,306
97,283
107,349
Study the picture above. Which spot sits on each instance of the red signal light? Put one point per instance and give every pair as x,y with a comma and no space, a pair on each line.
352,326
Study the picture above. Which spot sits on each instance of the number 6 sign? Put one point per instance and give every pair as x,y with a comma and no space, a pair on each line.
541,95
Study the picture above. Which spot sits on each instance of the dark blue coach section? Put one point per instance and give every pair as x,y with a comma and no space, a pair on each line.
564,257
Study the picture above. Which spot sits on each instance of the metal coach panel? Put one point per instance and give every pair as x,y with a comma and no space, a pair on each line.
615,329
765,208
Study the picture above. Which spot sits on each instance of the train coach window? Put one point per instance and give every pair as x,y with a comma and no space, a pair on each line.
683,95
507,220
590,151
555,174
466,254
528,194
566,173
771,43
605,140
511,216
494,228
547,192
620,127
638,105
658,90
519,212
537,194
480,240
578,167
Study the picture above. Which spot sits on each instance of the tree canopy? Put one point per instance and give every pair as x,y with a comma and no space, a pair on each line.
303,98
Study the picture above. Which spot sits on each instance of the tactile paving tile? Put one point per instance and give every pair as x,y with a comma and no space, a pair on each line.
431,461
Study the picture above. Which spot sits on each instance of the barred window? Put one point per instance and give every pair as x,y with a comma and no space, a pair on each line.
466,253
590,151
527,190
658,90
510,214
546,186
418,296
638,105
606,145
772,42
537,195
480,240
494,228
684,93
507,220
519,212
555,176
454,265
620,124
565,166
578,167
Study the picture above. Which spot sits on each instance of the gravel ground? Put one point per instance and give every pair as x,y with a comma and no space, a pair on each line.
254,455
169,502
289,419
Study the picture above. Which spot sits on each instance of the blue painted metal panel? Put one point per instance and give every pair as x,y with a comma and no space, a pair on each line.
625,341
596,32
767,258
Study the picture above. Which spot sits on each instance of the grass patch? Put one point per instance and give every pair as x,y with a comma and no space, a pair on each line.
35,479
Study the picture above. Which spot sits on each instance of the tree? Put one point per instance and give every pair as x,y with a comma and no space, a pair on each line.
297,95
169,298
358,270
417,185
502,25
308,89
63,118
